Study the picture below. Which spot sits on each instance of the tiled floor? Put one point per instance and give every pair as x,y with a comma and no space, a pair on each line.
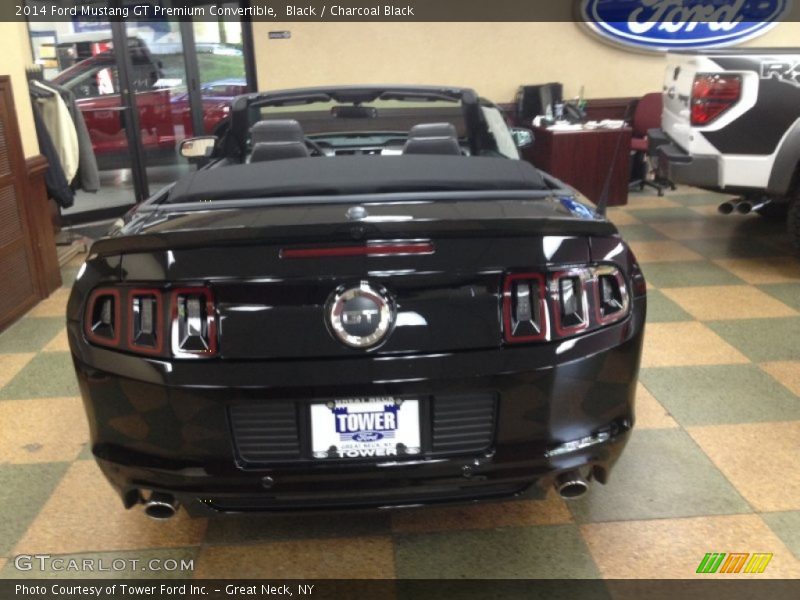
711,466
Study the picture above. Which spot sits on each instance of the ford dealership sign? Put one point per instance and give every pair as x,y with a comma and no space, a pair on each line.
659,25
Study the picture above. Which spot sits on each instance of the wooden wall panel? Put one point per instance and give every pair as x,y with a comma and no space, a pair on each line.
27,247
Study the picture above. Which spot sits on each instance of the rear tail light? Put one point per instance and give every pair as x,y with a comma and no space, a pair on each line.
525,315
612,295
568,292
102,322
146,321
712,95
574,300
142,312
194,324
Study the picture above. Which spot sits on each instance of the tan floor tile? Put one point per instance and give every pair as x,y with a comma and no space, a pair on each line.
339,558
663,251
55,305
620,217
684,344
696,229
77,260
84,514
636,201
11,364
787,372
550,511
650,414
673,548
717,302
707,210
60,343
759,459
42,430
759,270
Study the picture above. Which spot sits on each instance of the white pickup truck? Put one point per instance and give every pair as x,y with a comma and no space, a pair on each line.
731,123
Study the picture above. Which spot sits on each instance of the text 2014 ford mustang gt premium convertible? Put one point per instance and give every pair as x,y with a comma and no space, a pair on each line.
362,299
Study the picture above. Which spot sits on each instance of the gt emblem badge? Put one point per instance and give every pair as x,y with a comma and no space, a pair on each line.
361,316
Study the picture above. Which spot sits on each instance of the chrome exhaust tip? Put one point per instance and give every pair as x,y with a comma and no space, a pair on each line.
727,207
160,506
747,207
571,485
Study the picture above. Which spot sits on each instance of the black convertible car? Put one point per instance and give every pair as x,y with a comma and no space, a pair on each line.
362,298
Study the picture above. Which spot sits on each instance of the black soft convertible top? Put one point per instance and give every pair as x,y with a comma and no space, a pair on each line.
356,175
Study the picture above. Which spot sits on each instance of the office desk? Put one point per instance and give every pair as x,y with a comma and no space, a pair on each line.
584,158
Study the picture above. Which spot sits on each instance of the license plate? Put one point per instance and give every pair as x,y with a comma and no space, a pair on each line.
365,427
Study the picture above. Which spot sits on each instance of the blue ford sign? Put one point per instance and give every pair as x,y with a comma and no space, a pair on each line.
659,25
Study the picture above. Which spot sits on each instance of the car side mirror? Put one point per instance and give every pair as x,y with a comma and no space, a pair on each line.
522,137
197,149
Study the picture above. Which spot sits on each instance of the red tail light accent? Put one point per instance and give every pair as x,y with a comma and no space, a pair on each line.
712,95
146,321
525,315
369,249
103,321
194,323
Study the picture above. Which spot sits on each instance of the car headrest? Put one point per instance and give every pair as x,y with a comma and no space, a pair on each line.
276,130
263,151
432,138
276,140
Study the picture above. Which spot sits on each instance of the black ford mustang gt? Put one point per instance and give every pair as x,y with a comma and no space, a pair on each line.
362,299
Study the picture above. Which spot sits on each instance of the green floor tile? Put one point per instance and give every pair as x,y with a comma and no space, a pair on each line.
639,233
47,375
136,564
662,474
681,274
720,394
552,551
786,526
788,293
251,528
732,247
762,340
23,491
661,309
30,334
658,215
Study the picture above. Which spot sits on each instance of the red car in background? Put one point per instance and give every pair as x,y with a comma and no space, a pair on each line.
162,102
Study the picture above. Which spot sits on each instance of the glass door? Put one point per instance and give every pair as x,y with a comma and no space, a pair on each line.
141,87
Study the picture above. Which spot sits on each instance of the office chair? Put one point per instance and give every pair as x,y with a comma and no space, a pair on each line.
647,116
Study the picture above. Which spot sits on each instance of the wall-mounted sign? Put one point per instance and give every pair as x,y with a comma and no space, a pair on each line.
279,35
659,25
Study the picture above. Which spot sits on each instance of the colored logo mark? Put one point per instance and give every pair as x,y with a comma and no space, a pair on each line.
734,562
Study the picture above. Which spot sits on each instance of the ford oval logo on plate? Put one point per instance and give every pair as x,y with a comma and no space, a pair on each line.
367,436
659,25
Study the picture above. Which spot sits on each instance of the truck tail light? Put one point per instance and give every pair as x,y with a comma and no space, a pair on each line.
712,95
102,322
194,323
574,300
525,316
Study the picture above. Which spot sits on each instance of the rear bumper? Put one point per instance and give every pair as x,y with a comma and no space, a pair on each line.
678,166
167,428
